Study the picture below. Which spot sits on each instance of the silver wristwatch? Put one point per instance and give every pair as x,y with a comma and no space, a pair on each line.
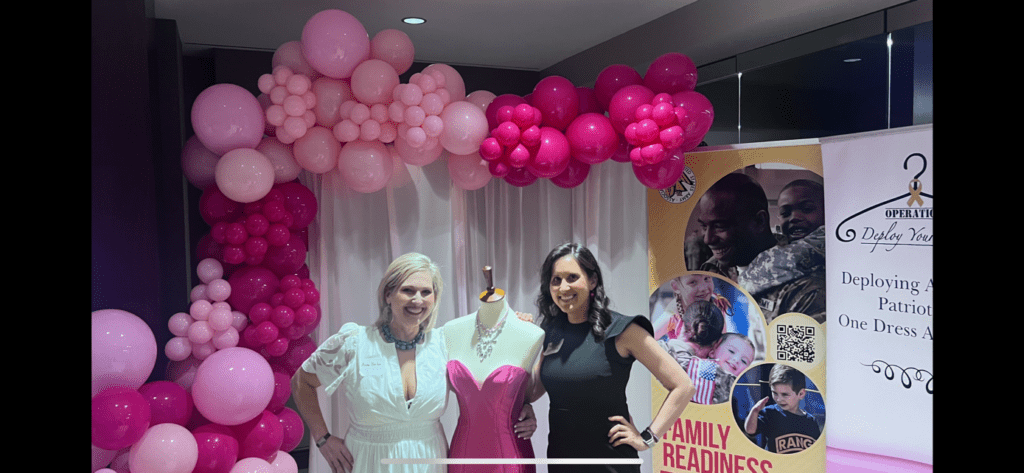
322,440
648,437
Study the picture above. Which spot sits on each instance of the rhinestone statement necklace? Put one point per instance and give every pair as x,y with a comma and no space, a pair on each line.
487,336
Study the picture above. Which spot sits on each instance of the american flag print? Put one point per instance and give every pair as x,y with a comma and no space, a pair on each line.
702,373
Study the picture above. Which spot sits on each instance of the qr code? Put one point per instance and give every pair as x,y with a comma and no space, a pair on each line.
795,343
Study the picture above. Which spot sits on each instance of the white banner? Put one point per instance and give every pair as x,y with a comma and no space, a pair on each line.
880,234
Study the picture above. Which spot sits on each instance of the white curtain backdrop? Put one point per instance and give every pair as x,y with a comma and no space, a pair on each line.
355,237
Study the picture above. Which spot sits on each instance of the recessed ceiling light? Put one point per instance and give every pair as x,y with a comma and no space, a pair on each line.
412,20
852,59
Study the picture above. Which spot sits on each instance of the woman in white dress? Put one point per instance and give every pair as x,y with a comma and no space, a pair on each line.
393,373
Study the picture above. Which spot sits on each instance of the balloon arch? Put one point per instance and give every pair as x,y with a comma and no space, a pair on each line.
221,407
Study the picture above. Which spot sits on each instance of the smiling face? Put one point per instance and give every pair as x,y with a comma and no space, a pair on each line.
411,302
734,354
802,210
692,288
729,230
570,288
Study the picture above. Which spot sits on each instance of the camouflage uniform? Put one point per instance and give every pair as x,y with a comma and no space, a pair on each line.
789,278
680,351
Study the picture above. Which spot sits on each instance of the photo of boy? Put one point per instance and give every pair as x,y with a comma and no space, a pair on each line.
783,424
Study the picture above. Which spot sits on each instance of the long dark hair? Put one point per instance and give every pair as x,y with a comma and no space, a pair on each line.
598,315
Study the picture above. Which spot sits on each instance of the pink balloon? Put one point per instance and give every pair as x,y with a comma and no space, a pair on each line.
365,166
588,101
250,285
164,448
260,437
281,158
671,73
373,80
215,207
252,465
178,348
220,319
701,115
573,175
520,177
226,338
218,451
393,47
557,100
453,80
465,127
226,117
232,386
552,156
510,100
123,350
592,138
218,290
168,402
481,98
244,175
198,163
334,42
468,172
400,172
288,258
284,463
418,156
182,372
300,202
622,108
611,79
120,415
662,174
178,324
209,269
290,55
292,427
317,151
102,458
199,333
330,94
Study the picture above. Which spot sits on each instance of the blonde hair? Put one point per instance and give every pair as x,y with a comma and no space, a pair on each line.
398,271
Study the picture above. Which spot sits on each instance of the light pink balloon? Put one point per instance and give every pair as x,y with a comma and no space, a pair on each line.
418,156
284,463
317,151
373,81
400,176
199,332
393,47
468,172
252,465
481,98
218,290
178,348
209,269
465,127
334,42
226,117
197,293
365,166
345,131
244,175
226,338
198,163
123,350
178,324
182,372
330,94
164,448
453,80
232,386
286,168
290,55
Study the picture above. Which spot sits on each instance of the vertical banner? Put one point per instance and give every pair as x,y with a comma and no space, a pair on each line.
879,242
737,283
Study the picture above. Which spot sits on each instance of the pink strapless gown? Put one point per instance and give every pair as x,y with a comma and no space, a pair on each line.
486,415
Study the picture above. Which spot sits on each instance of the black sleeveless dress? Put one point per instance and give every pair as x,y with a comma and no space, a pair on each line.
586,382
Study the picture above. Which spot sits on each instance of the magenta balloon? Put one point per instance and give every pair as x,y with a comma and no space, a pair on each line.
225,117
334,42
491,113
373,80
120,415
573,175
260,437
622,108
244,175
198,163
215,207
557,100
592,138
292,428
317,151
611,79
465,127
282,391
298,352
588,100
233,386
662,174
123,350
520,177
671,73
552,156
218,451
250,285
168,402
286,259
393,47
301,202
701,114
365,166
164,448
468,172
290,55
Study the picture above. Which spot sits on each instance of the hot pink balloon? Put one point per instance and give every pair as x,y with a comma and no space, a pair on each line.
557,100
453,80
334,42
300,202
123,350
622,108
233,386
662,174
251,285
671,73
288,258
120,415
244,175
290,55
216,207
701,115
260,437
552,156
292,427
168,402
226,117
317,151
573,175
592,138
588,100
286,168
465,127
520,177
393,47
198,163
164,448
468,172
365,166
491,113
218,451
611,79
373,80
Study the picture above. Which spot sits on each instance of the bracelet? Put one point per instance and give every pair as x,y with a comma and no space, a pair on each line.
322,440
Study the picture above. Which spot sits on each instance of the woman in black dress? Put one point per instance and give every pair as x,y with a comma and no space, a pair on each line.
585,365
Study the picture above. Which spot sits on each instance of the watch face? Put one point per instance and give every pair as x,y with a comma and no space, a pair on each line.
646,435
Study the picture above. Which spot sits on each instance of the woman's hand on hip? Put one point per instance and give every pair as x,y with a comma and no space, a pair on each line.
527,424
625,433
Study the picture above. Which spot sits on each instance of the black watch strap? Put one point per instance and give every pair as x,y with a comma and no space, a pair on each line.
648,437
322,440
